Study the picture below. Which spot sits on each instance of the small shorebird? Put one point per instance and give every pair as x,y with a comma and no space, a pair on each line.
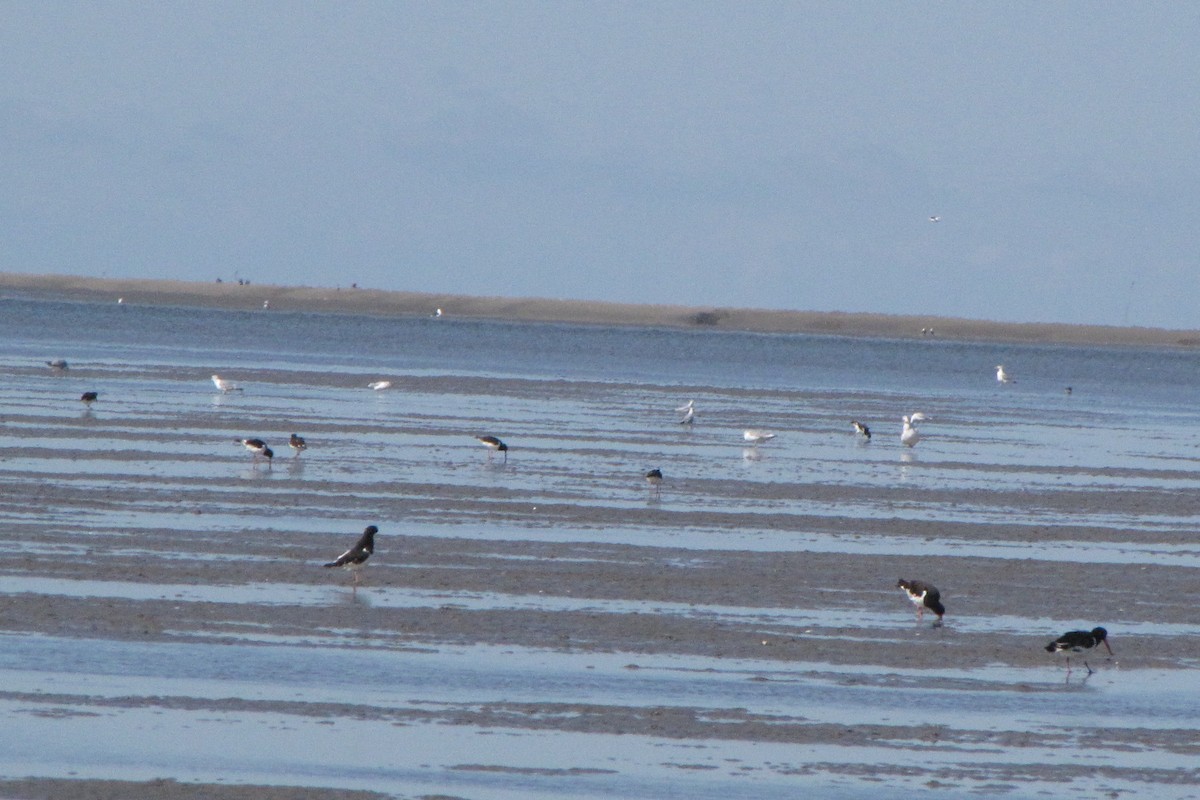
909,435
89,397
689,412
58,363
224,386
259,448
494,445
356,557
437,312
863,430
1082,642
923,595
266,304
1001,375
379,386
297,443
654,478
755,436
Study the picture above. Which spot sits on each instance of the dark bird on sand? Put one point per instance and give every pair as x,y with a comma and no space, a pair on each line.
89,397
259,448
494,445
356,557
924,596
1079,643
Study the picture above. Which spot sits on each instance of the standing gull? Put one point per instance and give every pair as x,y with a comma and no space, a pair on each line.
909,434
924,596
356,557
1080,642
494,445
1001,375
755,436
225,386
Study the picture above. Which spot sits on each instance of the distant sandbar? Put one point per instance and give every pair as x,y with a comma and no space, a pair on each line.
352,300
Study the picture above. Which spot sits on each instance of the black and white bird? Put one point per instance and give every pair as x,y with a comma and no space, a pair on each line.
297,443
494,445
224,386
924,596
259,448
356,557
655,478
1079,643
89,397
57,364
689,412
863,430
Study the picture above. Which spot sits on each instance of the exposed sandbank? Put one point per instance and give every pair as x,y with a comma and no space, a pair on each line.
374,301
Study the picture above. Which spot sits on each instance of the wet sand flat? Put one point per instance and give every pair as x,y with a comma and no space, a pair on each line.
546,626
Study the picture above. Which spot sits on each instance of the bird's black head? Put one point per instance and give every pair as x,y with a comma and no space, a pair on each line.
1099,634
268,452
371,530
502,447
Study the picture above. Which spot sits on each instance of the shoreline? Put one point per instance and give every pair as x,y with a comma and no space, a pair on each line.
377,302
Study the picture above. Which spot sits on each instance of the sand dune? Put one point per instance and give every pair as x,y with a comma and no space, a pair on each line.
374,301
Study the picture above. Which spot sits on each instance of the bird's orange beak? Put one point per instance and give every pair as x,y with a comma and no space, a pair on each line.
1109,649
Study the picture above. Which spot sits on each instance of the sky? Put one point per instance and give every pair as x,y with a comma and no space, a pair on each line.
764,155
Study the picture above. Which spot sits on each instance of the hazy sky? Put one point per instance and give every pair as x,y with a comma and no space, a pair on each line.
776,155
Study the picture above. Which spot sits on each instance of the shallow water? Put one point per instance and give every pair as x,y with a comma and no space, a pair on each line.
1017,500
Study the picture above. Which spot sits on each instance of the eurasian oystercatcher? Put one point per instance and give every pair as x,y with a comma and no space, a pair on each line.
909,434
494,445
654,478
1079,642
863,430
259,448
58,364
297,443
356,557
923,595
89,397
756,437
225,386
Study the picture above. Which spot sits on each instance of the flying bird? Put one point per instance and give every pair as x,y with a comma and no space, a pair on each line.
225,386
755,436
863,430
297,443
909,434
655,478
494,445
935,218
379,386
1079,642
689,412
89,397
356,557
924,596
259,448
